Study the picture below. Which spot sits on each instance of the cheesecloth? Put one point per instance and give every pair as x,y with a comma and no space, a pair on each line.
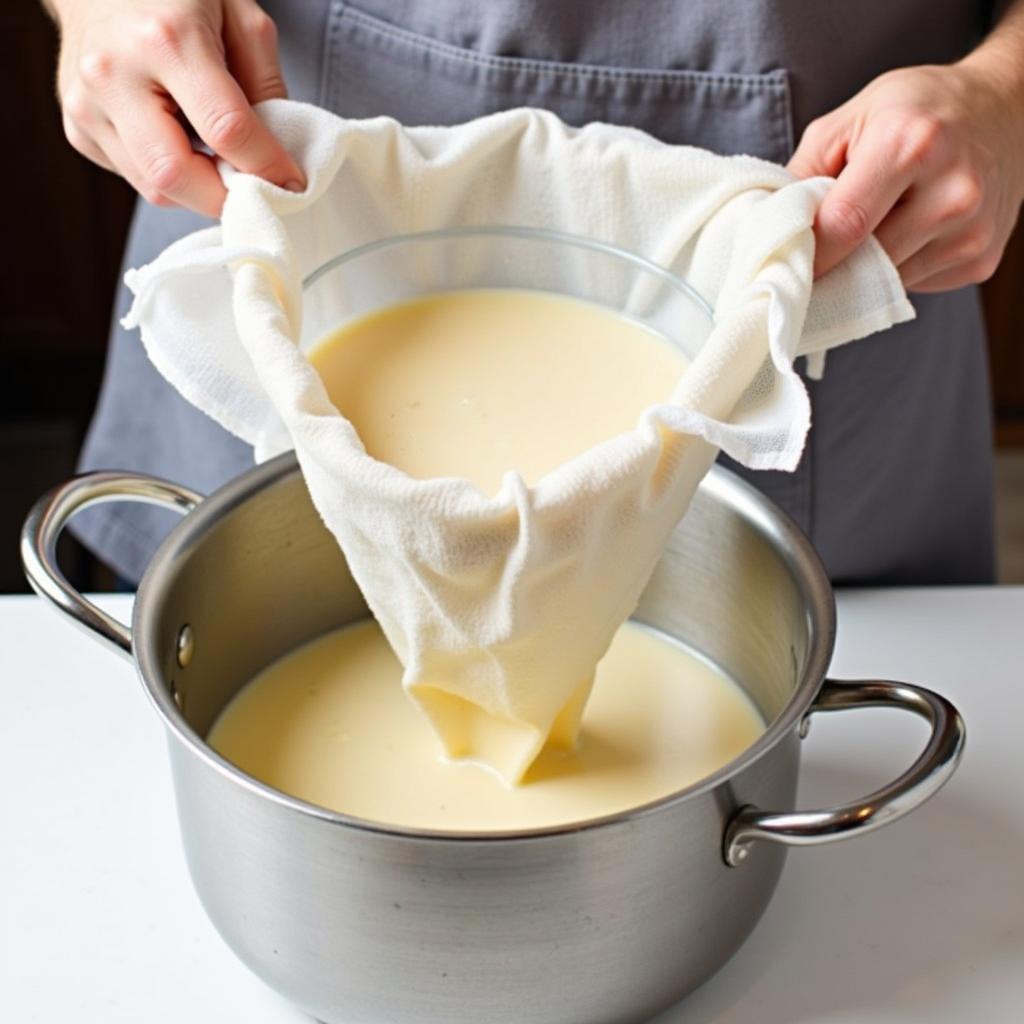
500,607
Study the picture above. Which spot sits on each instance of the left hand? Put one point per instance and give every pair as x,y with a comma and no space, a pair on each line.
930,159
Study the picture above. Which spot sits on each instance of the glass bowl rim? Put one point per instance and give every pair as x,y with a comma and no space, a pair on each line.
512,231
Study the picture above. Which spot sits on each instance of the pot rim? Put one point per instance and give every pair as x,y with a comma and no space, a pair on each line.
788,540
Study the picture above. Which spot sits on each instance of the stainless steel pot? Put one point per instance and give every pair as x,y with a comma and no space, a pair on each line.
605,921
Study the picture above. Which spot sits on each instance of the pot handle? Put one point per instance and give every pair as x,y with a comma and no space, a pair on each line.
51,513
925,776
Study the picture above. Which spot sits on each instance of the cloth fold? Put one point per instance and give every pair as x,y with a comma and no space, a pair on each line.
503,670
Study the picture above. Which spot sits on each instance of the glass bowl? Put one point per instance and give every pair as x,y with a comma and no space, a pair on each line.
402,267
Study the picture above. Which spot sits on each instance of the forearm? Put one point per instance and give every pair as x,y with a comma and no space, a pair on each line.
1001,54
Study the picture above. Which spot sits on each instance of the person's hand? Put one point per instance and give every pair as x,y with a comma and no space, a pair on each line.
930,159
130,70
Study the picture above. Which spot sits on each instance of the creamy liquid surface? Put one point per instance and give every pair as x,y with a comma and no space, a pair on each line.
330,723
478,382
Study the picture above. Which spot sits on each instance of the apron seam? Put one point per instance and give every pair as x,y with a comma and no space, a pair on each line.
332,20
784,100
774,81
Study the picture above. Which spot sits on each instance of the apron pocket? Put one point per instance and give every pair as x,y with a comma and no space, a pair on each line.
372,68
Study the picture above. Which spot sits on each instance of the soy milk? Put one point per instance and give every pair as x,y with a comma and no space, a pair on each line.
329,723
474,383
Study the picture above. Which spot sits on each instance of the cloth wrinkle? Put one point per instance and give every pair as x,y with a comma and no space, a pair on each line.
506,602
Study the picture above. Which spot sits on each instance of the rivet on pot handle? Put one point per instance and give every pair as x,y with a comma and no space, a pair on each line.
50,515
925,776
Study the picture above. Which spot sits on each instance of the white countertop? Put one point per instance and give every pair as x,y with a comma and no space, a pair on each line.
920,922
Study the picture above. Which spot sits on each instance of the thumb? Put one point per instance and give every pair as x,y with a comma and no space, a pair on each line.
250,50
867,188
822,149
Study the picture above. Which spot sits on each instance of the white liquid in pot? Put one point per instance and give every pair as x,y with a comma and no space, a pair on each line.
329,723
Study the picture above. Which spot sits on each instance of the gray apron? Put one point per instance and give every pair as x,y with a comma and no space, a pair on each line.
895,485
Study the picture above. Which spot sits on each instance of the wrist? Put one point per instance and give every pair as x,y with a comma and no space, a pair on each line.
1000,64
995,71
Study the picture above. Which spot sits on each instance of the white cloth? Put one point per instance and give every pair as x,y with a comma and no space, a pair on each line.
501,666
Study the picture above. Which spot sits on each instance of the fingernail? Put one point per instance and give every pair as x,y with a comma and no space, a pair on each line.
294,185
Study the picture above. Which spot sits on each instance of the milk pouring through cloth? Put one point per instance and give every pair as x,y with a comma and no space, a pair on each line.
500,606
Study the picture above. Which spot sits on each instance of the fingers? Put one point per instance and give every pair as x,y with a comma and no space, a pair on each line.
959,277
124,165
923,165
875,164
938,206
165,163
878,172
968,257
125,75
909,227
822,149
81,119
86,146
218,110
938,227
250,46
91,133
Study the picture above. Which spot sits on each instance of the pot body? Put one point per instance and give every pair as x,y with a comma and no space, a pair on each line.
604,922
604,925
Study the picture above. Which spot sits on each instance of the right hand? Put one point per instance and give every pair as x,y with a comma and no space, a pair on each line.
129,68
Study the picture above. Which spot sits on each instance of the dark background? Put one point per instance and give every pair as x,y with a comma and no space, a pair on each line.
64,223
